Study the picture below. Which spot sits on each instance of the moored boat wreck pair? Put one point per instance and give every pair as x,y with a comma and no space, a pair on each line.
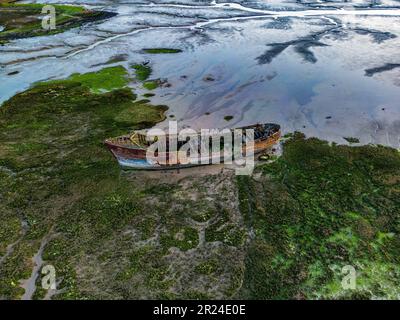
132,151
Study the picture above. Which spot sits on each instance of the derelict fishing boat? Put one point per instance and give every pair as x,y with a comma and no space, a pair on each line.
131,150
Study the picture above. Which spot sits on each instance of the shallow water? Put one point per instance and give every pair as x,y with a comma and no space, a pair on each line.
275,61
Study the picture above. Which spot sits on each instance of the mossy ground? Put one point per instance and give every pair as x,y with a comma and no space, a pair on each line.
228,118
55,173
115,234
151,85
111,234
142,71
351,139
23,20
161,50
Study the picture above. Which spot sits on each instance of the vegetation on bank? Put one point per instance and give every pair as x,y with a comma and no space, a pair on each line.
351,139
228,118
161,50
23,20
319,208
110,234
104,80
143,73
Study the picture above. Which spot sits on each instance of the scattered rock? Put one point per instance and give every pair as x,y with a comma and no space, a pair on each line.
209,77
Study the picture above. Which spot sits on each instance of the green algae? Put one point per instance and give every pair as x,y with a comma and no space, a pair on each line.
315,209
147,227
161,50
22,20
207,267
141,112
61,180
107,79
320,206
65,9
222,230
59,176
10,228
104,80
151,85
142,72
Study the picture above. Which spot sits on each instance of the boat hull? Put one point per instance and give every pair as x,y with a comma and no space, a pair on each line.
130,157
